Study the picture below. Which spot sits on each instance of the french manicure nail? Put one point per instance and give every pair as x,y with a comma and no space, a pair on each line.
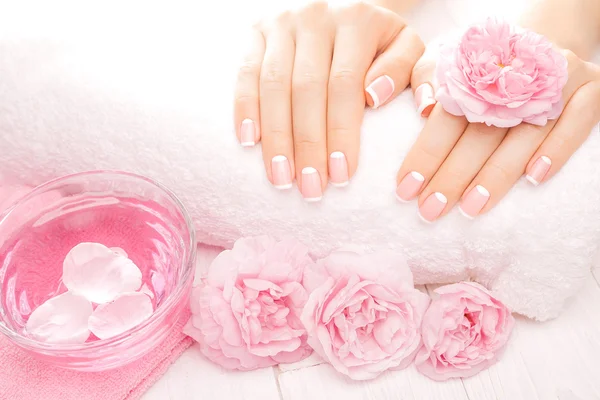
247,133
432,207
311,185
380,90
338,169
539,170
282,173
409,186
425,99
474,202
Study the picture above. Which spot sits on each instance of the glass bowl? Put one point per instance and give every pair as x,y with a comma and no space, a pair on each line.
117,209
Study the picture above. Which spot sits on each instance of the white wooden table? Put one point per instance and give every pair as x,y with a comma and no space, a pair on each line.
554,360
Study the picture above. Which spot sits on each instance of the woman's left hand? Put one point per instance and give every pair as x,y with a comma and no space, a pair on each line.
475,164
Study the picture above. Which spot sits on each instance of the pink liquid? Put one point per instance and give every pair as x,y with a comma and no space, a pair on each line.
32,258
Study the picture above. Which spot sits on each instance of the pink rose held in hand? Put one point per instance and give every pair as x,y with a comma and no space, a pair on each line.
500,77
363,315
464,329
246,314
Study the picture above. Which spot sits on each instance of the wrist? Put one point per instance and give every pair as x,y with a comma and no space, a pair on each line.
570,24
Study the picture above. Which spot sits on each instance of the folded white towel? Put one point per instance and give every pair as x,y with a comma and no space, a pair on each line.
157,101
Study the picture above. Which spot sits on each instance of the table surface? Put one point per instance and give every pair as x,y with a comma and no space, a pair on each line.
552,360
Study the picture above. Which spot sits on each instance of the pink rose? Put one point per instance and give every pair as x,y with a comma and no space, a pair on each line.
246,314
501,77
363,315
464,329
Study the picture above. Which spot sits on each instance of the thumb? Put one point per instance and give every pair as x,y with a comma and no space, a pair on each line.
390,72
423,85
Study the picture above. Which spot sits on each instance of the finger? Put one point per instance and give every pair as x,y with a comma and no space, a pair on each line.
390,72
467,158
439,136
355,49
422,84
581,114
505,167
246,107
314,48
275,108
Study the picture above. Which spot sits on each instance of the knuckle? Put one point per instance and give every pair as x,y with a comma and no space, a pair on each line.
273,78
244,99
343,80
309,82
313,10
285,18
355,11
501,174
276,134
248,69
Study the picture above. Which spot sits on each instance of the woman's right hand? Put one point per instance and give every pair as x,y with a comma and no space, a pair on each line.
303,87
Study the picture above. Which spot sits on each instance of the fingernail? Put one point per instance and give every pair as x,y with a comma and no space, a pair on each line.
282,174
247,133
474,202
381,89
311,185
539,170
338,169
432,207
409,187
425,99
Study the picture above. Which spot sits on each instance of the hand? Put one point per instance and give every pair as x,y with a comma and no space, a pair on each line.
301,90
453,160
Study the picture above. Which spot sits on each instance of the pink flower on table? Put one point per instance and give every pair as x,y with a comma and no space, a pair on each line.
363,315
246,313
498,76
464,330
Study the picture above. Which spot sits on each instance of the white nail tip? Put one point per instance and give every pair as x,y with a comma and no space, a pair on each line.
127,311
247,144
547,160
424,105
279,158
313,199
283,187
98,273
464,214
483,191
308,171
532,181
337,154
423,218
374,97
400,199
417,176
61,319
339,184
441,197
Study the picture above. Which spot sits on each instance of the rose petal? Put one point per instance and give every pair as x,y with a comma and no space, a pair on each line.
125,312
61,319
98,273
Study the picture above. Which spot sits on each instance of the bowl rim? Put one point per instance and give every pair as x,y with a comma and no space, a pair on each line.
170,302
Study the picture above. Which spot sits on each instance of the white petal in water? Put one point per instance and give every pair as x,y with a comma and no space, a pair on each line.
61,319
98,273
119,251
125,312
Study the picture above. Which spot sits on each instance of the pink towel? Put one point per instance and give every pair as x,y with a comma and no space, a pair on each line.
24,377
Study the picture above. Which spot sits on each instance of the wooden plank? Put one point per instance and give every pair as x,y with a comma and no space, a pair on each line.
193,377
322,382
562,355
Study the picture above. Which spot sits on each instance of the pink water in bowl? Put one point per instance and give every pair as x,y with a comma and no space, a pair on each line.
147,226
